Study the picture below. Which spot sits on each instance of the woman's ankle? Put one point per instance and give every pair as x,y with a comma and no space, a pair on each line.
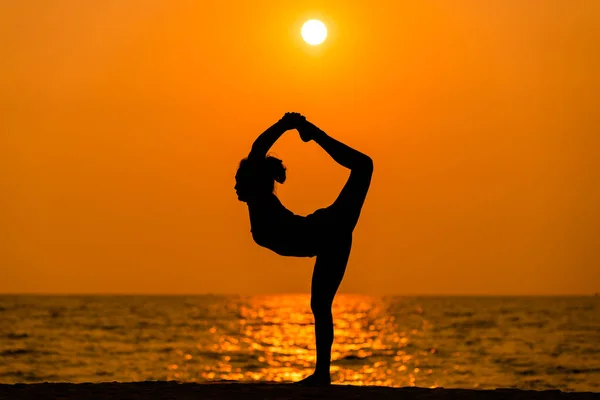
322,372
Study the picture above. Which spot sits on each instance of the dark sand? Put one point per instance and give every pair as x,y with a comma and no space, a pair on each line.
220,391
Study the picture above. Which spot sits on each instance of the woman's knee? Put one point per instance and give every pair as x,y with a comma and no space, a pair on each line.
365,165
320,308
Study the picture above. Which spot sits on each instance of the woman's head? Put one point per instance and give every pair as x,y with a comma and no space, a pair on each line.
256,178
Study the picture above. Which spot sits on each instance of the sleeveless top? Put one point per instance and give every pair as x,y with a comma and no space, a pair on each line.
278,229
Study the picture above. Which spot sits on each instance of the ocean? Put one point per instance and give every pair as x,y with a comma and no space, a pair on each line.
452,342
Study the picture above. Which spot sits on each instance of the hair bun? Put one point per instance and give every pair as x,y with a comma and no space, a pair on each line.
275,168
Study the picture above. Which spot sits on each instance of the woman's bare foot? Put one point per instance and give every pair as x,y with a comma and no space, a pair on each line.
315,380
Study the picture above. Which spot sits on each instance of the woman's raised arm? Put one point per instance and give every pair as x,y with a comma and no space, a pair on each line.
267,139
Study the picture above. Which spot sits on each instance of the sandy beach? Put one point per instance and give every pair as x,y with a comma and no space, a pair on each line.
233,390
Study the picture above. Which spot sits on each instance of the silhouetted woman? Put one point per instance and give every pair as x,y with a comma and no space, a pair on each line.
326,233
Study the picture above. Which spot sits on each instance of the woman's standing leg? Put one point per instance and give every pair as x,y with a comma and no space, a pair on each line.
327,276
341,219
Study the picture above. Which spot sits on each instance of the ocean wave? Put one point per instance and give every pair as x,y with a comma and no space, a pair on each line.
473,324
15,352
578,327
458,314
102,327
559,369
16,336
29,376
354,357
532,324
22,352
526,372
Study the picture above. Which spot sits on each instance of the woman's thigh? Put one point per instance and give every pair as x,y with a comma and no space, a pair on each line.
348,205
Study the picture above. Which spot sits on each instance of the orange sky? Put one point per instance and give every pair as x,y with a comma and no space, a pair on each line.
122,123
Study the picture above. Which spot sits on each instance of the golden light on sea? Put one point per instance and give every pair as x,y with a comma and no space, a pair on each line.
271,338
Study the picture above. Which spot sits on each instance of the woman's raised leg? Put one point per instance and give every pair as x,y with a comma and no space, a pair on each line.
347,207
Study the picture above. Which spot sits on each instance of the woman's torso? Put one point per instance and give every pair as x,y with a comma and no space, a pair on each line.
275,227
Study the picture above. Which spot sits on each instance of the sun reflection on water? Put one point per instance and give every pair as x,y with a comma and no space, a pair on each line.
272,338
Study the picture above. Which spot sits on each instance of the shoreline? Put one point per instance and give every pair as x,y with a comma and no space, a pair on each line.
158,390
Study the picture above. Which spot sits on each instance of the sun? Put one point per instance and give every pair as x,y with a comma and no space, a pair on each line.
314,32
